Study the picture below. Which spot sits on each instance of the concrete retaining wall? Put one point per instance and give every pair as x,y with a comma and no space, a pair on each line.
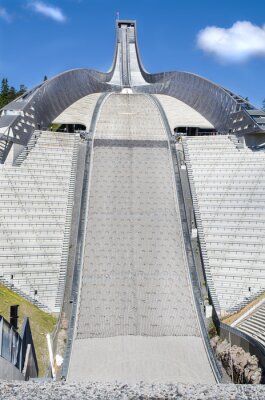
9,371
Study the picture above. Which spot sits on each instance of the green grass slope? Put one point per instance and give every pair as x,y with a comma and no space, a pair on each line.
41,322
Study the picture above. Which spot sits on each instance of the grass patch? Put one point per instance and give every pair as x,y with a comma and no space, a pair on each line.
231,318
41,322
54,127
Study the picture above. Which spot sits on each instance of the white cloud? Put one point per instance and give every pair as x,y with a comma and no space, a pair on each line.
5,15
48,10
236,44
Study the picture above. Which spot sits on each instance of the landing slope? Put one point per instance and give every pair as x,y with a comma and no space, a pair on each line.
136,320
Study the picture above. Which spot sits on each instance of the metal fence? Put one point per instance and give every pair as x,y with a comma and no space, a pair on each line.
13,347
10,344
242,335
236,337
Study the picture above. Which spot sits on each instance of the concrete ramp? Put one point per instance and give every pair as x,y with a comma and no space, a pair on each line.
132,359
136,316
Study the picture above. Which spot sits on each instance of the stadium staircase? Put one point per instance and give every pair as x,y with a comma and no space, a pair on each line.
4,149
254,323
27,149
228,189
36,207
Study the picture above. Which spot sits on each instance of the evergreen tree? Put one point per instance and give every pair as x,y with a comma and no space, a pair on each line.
8,94
12,94
45,78
4,93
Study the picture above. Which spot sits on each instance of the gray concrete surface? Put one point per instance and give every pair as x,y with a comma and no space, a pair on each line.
9,371
180,114
129,117
133,359
80,112
134,278
137,319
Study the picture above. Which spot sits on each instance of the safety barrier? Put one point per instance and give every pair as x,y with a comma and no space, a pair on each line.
14,347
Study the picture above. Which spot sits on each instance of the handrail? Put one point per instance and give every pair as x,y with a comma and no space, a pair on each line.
243,335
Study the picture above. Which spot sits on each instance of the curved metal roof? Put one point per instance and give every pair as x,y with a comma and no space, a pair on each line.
227,112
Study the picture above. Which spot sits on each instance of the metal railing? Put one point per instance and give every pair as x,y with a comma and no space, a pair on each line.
252,341
13,347
10,344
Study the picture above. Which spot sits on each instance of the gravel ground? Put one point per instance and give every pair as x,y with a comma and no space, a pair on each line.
119,391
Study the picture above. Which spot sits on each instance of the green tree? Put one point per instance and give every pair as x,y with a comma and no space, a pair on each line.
4,87
12,94
8,94
45,78
4,92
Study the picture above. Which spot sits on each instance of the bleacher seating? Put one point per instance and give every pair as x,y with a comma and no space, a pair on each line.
228,189
254,324
36,206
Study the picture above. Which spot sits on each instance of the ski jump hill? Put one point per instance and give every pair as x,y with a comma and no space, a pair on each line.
122,209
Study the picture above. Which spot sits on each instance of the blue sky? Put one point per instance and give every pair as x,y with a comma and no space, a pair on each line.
49,36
